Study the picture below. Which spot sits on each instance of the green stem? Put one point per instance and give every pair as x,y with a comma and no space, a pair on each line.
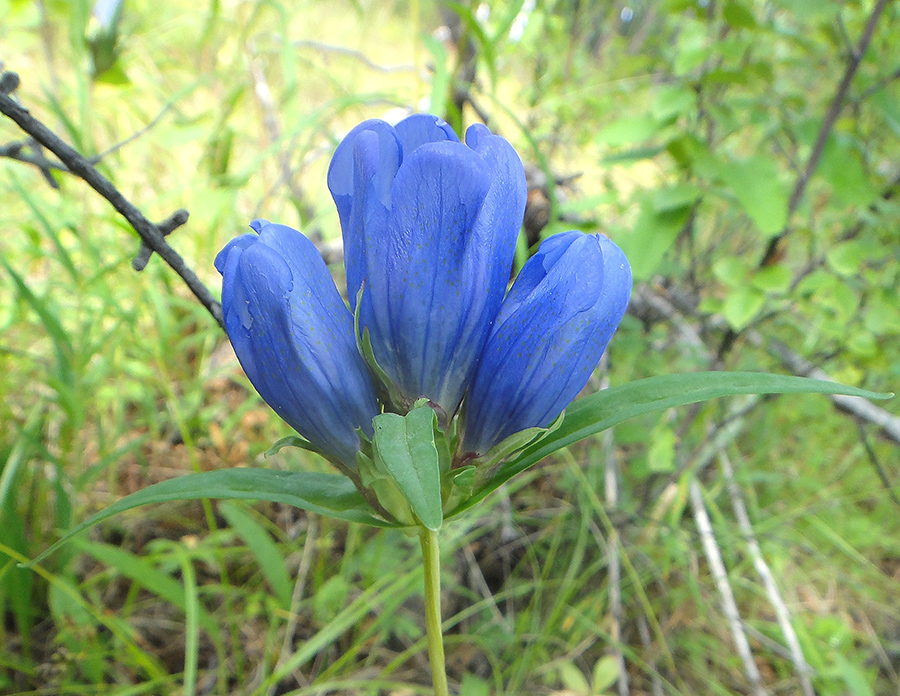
431,553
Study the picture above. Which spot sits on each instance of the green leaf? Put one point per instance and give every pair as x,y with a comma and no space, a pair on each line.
847,258
404,447
61,343
387,391
597,412
738,15
515,443
742,305
675,197
731,271
485,45
672,101
855,678
661,455
460,486
606,671
843,169
440,81
630,129
332,495
756,184
653,235
573,679
775,279
473,686
507,21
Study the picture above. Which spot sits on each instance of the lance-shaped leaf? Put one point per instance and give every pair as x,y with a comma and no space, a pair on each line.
607,408
332,495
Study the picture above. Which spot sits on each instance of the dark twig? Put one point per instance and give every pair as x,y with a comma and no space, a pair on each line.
834,109
15,150
36,159
873,458
650,306
881,84
152,235
166,227
9,82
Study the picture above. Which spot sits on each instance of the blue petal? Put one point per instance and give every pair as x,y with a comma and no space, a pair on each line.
360,177
434,249
429,275
551,331
241,242
504,206
419,129
294,337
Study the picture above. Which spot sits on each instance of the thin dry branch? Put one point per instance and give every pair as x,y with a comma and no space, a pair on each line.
834,110
678,310
768,580
812,162
287,646
356,55
863,409
477,580
152,235
720,576
647,643
611,493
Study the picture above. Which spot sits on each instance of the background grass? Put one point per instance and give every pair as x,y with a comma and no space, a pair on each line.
687,125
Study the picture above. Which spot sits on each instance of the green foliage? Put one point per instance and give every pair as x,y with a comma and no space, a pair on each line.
404,451
689,124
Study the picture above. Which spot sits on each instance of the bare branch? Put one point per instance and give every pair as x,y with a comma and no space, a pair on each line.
768,580
134,136
729,606
46,167
353,53
9,83
152,235
287,645
676,309
834,110
611,491
879,469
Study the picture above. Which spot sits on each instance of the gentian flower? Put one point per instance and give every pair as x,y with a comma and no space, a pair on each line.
429,227
293,335
552,329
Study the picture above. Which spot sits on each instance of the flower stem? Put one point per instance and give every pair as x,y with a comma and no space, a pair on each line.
431,553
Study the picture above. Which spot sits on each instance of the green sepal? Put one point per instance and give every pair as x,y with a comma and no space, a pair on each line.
460,484
293,441
517,442
384,386
385,488
404,447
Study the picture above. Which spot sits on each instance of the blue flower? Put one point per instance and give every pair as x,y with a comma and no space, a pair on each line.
552,329
293,335
429,227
